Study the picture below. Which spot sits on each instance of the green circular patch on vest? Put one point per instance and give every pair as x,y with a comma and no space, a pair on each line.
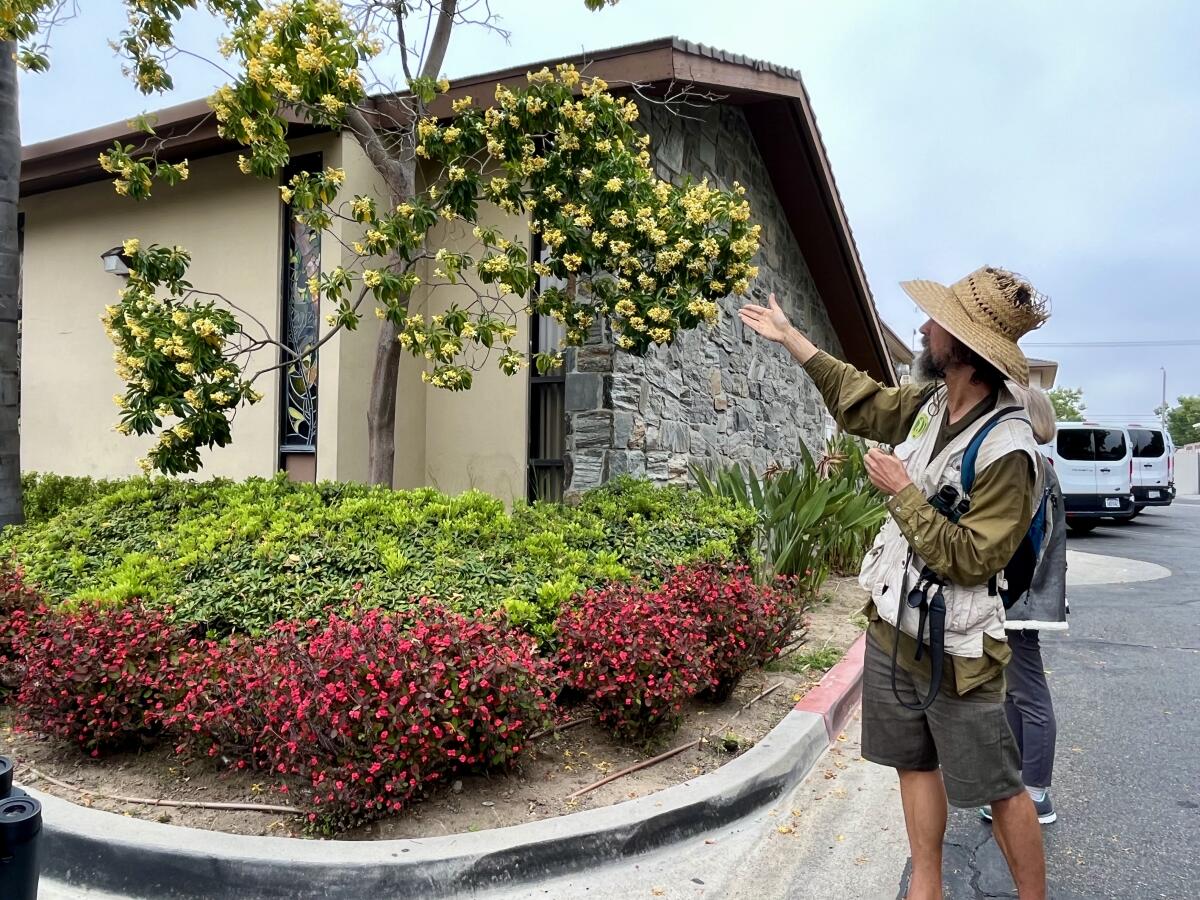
920,426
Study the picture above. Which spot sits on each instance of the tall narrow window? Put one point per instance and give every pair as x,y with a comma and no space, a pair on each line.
547,411
299,327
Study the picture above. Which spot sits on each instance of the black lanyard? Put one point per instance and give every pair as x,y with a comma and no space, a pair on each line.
932,613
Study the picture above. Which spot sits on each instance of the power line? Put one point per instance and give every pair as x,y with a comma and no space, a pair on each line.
1183,343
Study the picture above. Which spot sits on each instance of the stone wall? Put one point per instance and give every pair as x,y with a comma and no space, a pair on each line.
717,395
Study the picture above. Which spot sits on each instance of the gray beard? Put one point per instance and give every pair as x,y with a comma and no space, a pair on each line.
926,369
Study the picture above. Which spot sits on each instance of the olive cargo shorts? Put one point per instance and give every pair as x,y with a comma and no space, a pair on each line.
968,736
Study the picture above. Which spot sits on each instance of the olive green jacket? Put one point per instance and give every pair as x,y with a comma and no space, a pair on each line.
968,552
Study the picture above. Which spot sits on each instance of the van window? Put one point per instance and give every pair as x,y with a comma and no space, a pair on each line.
1110,445
1076,443
1092,444
1147,444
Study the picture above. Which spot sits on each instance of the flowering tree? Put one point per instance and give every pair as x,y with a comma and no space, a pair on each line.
649,257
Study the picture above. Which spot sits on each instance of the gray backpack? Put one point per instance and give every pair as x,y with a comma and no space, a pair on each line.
1046,598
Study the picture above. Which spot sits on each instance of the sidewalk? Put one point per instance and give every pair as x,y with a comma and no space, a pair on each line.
840,833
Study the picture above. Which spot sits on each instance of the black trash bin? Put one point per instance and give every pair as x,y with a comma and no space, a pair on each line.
20,833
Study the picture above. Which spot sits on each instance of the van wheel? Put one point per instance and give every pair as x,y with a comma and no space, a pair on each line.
1082,526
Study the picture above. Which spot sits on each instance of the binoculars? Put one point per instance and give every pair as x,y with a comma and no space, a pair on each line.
950,503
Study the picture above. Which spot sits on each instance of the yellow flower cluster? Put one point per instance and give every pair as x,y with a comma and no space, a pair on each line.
208,330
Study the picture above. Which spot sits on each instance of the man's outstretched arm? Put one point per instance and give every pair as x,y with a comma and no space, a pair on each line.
859,403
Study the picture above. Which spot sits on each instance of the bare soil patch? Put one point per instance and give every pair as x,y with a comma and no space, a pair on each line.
557,764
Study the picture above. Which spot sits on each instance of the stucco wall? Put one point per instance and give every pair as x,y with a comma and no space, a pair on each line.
349,364
230,223
477,438
714,396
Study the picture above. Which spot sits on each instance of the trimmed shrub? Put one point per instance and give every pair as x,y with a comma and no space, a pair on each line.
372,708
636,655
224,690
19,605
745,624
241,556
100,677
44,495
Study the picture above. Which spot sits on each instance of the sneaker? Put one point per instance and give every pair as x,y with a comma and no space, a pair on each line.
1044,808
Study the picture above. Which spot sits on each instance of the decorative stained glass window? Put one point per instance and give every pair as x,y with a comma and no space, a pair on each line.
301,319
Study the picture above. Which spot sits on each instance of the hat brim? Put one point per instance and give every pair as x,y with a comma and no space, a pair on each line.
942,305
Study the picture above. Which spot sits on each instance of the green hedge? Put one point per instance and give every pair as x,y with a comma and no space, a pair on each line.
45,494
241,555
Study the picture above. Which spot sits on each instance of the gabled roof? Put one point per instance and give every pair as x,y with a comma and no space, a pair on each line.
902,354
773,99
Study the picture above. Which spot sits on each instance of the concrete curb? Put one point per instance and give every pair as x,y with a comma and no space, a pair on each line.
840,690
135,858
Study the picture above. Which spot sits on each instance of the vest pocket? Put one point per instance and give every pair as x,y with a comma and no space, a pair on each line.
968,609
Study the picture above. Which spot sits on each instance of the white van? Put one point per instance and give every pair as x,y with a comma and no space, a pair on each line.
1095,468
1153,466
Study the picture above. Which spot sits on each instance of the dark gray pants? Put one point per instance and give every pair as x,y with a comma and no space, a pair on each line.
1029,708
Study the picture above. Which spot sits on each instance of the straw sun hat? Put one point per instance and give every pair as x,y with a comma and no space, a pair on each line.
989,311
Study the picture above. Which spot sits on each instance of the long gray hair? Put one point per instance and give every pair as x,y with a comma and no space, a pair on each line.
1040,410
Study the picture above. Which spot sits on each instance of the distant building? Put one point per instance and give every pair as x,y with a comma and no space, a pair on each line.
1042,373
902,355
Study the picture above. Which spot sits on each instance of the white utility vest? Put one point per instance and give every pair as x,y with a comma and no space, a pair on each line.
970,611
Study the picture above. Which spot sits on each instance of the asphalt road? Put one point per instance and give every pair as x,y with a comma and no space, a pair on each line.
1126,687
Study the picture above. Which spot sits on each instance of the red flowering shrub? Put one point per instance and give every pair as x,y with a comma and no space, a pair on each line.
745,624
221,710
100,676
636,654
372,708
19,605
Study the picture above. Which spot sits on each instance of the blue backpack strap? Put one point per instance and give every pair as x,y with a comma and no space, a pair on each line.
972,453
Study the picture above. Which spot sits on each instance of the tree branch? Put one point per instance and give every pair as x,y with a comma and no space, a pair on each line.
435,55
296,357
397,175
398,10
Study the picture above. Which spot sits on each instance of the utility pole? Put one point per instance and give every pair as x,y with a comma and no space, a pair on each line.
1163,409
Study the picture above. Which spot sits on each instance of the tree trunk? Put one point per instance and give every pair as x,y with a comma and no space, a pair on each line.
381,404
381,407
10,269
401,177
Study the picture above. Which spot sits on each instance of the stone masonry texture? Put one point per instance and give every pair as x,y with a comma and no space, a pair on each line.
715,396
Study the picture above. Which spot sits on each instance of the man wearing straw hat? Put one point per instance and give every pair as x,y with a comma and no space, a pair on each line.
949,739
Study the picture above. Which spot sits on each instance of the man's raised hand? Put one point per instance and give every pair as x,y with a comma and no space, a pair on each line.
768,321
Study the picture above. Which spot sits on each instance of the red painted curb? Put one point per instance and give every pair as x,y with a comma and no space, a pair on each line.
840,690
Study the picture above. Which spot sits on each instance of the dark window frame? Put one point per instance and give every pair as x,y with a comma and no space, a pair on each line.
292,440
544,465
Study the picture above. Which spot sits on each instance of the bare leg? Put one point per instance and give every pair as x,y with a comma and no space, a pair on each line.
924,797
1019,836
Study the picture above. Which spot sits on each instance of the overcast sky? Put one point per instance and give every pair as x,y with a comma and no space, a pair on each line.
1058,139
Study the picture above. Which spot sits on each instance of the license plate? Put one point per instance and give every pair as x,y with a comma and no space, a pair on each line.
1154,495
1112,503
